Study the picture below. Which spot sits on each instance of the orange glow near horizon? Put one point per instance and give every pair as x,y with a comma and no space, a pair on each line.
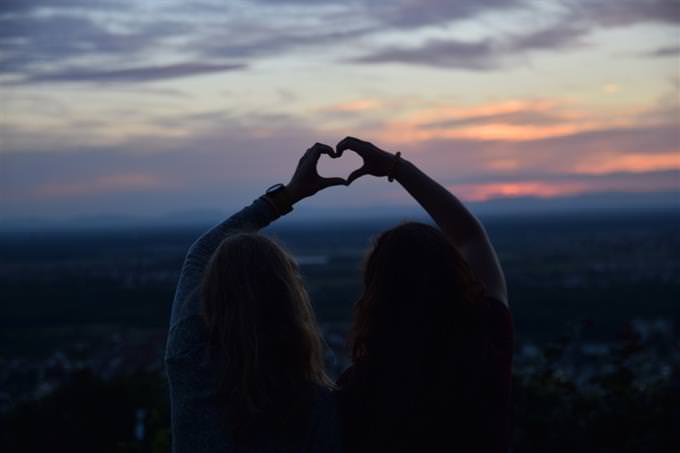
438,113
201,108
107,183
405,133
632,163
358,105
541,189
491,122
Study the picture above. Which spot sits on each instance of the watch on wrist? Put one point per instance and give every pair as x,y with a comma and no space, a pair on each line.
278,197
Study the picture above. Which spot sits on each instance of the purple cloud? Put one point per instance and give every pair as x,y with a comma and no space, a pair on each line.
480,55
615,13
407,13
661,52
451,54
34,47
137,74
226,163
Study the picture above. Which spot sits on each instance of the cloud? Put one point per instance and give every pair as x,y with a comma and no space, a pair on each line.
519,118
267,41
73,45
569,31
595,154
559,36
533,188
630,162
34,44
487,54
650,139
357,105
344,22
39,39
566,184
443,53
220,168
418,13
89,187
406,14
513,120
670,51
138,74
616,13
10,7
73,34
229,160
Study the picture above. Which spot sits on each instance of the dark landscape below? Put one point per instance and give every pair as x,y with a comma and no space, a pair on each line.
91,307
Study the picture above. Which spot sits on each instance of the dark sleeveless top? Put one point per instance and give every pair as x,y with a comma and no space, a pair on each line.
464,407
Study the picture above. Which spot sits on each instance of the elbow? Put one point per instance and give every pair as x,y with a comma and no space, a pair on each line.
198,252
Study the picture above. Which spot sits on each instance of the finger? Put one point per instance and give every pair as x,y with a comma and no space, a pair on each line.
327,149
307,154
329,182
320,148
357,174
358,146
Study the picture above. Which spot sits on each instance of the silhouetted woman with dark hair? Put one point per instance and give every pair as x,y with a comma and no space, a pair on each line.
244,353
432,335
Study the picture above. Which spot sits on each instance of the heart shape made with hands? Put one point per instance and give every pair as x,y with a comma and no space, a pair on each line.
342,166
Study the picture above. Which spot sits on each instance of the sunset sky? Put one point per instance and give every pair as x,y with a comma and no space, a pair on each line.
146,108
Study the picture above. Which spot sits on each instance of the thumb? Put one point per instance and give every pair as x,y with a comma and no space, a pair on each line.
357,174
328,182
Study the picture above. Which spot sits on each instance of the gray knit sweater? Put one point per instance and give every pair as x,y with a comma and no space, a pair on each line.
198,421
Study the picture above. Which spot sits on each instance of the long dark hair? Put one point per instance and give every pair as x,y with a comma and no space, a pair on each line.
415,340
264,337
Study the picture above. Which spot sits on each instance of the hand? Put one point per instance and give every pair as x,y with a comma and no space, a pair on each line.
376,161
306,181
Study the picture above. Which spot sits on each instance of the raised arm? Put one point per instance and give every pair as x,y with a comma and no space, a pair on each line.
463,229
249,219
264,210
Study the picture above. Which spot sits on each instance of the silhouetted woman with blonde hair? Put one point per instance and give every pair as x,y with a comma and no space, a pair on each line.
244,355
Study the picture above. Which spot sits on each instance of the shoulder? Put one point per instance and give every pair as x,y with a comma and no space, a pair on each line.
354,381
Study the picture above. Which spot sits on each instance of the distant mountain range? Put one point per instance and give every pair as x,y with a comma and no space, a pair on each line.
601,202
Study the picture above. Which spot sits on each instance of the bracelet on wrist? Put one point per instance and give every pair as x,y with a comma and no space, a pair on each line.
393,169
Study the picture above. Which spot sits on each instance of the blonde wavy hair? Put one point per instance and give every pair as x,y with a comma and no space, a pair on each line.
264,337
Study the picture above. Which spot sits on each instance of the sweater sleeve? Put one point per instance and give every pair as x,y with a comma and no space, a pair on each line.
250,219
